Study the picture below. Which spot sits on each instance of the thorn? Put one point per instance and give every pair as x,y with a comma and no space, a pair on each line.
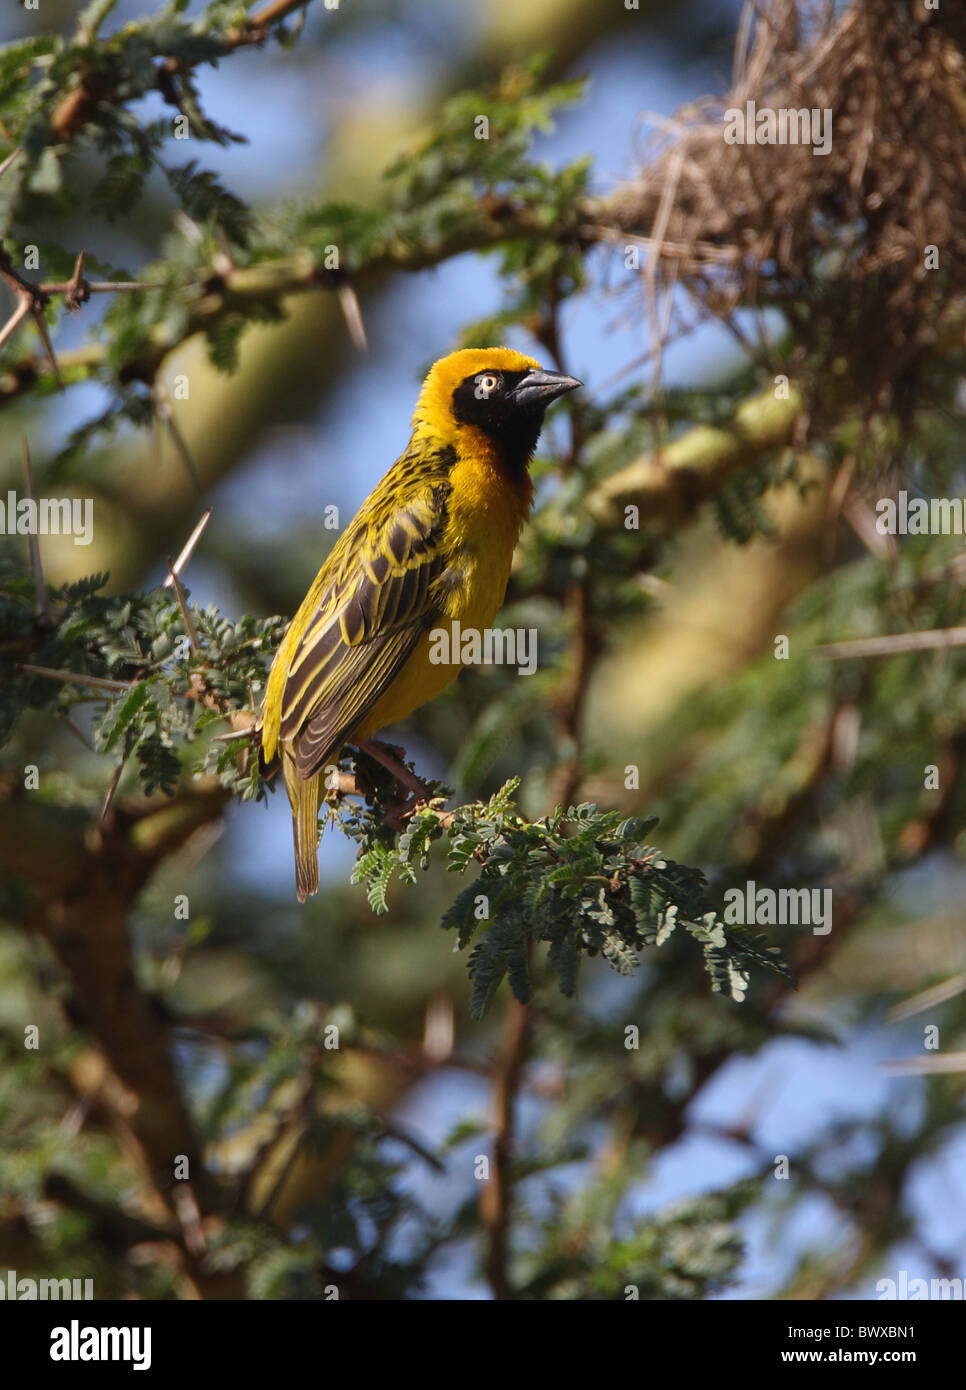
187,550
189,1217
163,406
40,586
72,1121
157,439
17,317
76,732
183,605
352,313
41,322
927,999
75,678
188,229
102,819
77,292
438,1029
235,734
223,263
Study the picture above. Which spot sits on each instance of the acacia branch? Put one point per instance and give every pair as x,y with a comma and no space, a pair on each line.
496,1196
80,103
214,295
668,485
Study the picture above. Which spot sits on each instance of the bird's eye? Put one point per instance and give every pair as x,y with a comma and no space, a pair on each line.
486,385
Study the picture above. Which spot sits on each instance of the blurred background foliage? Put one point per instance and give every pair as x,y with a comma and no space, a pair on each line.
187,1008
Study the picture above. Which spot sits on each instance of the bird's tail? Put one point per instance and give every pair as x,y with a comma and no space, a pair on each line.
303,797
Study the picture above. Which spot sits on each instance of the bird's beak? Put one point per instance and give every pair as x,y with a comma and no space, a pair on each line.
540,388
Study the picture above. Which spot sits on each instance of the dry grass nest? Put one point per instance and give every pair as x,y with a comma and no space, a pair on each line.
837,242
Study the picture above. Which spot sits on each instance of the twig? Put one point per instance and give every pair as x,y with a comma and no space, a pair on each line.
382,754
584,646
33,299
162,404
257,26
496,1197
74,677
950,1063
189,626
268,282
18,315
933,639
77,733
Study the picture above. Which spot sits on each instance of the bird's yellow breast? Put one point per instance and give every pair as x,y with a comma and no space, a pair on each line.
486,512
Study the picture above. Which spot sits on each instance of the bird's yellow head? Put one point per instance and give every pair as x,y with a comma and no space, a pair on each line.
488,401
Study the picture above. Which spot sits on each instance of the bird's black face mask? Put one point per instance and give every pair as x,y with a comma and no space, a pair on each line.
509,407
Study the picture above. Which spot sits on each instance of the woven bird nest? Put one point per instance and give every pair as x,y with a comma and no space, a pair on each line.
862,248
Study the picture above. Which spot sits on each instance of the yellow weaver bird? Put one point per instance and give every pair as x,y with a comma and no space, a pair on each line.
432,544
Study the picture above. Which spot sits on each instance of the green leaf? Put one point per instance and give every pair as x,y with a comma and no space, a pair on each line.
127,711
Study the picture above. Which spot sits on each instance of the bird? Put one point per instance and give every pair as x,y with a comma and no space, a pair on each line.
432,544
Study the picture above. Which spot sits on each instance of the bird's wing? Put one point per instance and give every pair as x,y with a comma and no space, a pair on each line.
379,602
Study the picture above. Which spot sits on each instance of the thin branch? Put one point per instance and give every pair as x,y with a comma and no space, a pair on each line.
33,299
17,317
270,281
933,639
74,677
668,485
497,1194
189,626
81,101
274,12
582,653
162,405
951,1063
82,738
383,754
